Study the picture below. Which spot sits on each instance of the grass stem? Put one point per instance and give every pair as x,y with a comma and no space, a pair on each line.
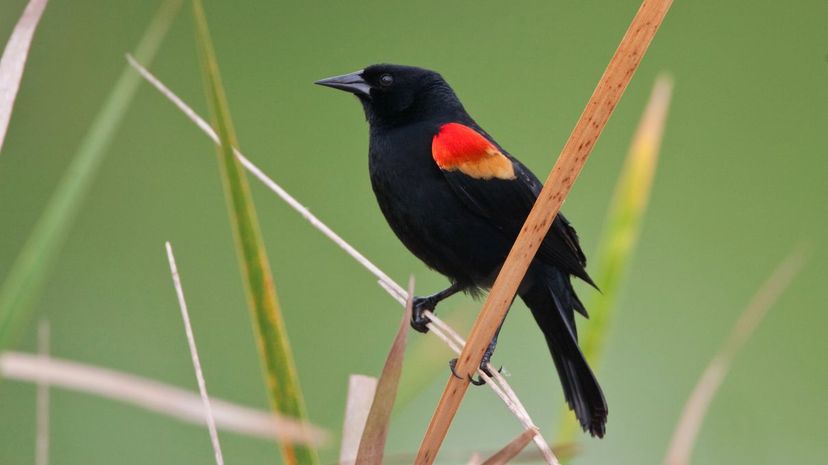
188,328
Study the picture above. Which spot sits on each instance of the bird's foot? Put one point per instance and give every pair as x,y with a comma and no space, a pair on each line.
484,367
418,319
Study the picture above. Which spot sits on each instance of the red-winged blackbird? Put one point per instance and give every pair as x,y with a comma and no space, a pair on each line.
457,200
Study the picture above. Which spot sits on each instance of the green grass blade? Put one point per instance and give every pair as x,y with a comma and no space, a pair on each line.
625,217
31,267
623,225
284,392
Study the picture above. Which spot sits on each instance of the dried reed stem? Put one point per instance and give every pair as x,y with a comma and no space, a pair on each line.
511,450
610,88
42,412
437,326
155,396
692,415
188,328
361,391
14,61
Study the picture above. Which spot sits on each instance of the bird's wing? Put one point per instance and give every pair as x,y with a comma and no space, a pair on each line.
498,187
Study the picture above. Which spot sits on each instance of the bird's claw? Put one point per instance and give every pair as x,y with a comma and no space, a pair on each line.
484,367
418,319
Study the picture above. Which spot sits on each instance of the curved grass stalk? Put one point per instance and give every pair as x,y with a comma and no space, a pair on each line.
697,405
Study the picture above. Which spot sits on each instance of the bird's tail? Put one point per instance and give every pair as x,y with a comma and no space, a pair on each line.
552,301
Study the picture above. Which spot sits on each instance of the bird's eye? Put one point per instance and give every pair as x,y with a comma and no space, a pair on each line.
386,79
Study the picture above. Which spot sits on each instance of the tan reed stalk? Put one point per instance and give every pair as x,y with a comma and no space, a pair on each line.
610,88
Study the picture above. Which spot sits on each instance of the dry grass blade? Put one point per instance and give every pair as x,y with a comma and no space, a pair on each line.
438,328
372,444
188,328
361,390
14,61
692,415
565,452
511,450
622,229
152,395
610,88
284,391
42,415
458,456
475,459
32,265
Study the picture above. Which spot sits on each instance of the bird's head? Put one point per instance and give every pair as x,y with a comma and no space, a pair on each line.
395,94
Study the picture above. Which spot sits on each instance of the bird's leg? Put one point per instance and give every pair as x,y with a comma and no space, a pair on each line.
421,304
484,362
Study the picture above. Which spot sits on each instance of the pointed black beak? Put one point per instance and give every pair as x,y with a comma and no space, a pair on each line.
352,83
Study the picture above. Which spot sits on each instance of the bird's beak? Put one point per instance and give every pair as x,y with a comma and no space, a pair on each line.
353,83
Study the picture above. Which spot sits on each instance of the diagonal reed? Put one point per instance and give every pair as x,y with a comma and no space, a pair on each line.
610,88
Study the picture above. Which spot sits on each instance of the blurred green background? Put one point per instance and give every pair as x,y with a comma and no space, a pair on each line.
740,182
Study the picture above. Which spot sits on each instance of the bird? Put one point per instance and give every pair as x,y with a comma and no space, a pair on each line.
457,200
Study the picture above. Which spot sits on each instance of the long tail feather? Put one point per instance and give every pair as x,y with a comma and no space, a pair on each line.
553,302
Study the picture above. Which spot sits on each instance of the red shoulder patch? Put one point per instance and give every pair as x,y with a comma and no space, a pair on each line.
459,147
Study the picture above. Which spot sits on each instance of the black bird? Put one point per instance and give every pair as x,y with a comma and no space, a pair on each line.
457,200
